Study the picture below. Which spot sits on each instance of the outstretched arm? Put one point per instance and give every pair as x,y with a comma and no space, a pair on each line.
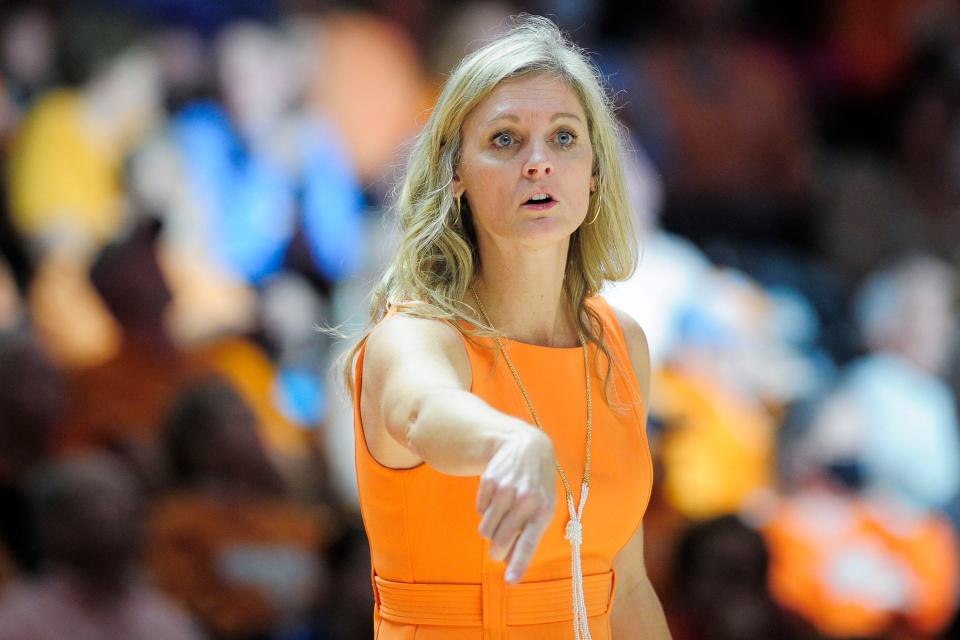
416,390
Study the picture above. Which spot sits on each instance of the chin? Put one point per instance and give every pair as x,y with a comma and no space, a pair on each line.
546,231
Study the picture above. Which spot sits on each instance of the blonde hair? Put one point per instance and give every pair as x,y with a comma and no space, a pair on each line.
437,255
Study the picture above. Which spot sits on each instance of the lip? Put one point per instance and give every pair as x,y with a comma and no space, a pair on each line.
539,207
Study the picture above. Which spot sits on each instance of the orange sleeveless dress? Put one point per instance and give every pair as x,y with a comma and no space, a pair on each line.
432,574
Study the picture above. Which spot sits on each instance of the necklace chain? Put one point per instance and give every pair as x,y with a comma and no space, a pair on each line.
526,396
574,529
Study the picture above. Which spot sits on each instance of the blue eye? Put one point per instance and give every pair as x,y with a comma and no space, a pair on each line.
503,139
565,138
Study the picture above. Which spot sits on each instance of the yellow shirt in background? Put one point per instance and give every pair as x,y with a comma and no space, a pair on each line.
718,449
62,178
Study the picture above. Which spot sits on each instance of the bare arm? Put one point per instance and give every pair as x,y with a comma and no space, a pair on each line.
637,613
416,389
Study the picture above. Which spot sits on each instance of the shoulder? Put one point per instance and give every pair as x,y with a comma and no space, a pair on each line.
400,331
632,331
410,340
637,347
404,359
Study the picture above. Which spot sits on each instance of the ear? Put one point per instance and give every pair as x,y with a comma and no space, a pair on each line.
593,183
457,185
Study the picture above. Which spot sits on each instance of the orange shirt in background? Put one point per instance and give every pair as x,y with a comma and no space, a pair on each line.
852,567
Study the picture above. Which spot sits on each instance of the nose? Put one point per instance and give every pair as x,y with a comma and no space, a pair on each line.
538,164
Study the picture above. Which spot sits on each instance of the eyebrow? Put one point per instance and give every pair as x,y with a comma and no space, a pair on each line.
512,118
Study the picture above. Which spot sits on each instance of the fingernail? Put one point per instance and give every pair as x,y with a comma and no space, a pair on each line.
511,576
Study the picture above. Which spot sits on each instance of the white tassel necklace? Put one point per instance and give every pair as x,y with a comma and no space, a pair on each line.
574,528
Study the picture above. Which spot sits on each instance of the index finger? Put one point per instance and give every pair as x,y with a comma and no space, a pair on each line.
525,547
485,494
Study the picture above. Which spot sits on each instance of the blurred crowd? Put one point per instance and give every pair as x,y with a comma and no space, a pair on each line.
190,188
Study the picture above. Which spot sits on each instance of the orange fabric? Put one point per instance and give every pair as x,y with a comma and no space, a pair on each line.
422,524
852,567
461,605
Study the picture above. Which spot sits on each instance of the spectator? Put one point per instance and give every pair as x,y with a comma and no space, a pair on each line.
118,404
27,55
903,200
671,270
266,197
65,178
89,515
893,399
32,392
717,446
725,122
228,543
65,171
261,171
366,57
855,562
720,587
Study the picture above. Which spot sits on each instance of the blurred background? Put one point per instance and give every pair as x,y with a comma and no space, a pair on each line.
189,187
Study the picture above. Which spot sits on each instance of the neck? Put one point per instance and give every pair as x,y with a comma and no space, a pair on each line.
522,292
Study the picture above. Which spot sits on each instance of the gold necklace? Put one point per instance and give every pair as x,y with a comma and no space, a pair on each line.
574,528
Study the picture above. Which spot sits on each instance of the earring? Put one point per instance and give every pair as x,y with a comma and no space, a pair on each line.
597,213
456,202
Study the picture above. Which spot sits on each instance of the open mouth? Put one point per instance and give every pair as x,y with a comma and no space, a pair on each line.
540,201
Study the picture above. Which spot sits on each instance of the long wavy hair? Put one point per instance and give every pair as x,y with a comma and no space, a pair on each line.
437,256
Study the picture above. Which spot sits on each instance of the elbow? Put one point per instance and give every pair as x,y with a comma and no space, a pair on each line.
412,429
416,418
402,421
410,421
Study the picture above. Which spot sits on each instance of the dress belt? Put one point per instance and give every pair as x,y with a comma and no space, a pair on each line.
461,605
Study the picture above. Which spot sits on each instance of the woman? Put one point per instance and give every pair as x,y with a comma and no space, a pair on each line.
494,367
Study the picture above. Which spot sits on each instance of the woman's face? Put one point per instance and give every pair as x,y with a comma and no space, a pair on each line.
528,139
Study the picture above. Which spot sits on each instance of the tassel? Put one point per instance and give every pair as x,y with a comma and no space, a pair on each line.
574,533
